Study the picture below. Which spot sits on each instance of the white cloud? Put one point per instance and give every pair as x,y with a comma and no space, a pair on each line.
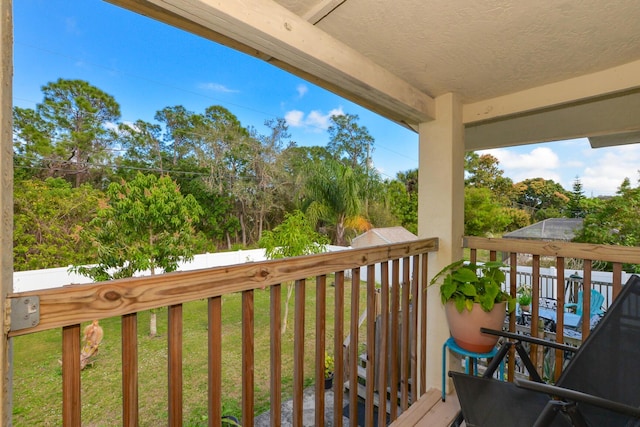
294,118
114,126
601,171
216,87
609,168
315,121
541,162
302,90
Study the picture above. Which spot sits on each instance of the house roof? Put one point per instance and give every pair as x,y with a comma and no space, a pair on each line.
549,229
524,72
383,236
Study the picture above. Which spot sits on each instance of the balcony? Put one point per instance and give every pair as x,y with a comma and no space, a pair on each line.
379,297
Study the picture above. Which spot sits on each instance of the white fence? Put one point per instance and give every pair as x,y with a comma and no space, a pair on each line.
57,277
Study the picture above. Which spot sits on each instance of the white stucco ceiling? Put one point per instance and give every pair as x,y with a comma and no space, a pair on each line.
484,49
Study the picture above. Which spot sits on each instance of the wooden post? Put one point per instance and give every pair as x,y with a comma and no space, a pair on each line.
6,202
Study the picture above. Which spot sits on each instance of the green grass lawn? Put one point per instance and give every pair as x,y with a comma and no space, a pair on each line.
37,398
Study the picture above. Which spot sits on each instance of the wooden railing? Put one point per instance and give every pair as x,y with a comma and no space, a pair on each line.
402,278
555,253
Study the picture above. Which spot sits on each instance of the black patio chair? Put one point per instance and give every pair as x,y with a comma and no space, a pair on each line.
599,387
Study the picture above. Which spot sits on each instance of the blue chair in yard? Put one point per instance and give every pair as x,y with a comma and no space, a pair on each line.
597,299
600,386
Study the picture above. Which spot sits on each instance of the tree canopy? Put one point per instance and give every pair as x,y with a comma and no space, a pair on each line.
238,182
146,224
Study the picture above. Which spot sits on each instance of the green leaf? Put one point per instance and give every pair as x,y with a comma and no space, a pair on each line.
469,290
465,274
468,304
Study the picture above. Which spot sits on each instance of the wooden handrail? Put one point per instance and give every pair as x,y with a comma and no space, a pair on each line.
617,255
75,304
608,253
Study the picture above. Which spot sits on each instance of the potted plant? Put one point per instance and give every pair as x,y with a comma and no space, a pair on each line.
524,297
328,371
473,297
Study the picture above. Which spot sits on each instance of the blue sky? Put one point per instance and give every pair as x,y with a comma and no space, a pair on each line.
147,66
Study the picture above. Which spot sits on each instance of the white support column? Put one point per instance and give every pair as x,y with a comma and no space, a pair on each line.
441,212
6,201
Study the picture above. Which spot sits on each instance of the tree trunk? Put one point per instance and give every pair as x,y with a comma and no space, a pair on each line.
286,308
243,227
153,321
153,324
340,233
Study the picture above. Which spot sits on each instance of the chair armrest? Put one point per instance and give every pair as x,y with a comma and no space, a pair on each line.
579,396
529,339
570,305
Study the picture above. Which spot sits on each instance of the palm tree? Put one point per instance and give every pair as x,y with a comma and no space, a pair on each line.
332,190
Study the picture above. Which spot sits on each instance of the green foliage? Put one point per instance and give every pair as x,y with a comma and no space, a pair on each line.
67,134
518,218
403,195
48,218
293,237
482,213
482,172
574,207
538,193
524,295
350,142
472,283
147,224
332,191
328,365
616,222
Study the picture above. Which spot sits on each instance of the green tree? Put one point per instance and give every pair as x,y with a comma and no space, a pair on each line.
48,218
482,215
179,133
69,134
295,236
616,222
143,148
544,198
403,193
32,143
482,171
146,225
332,190
350,142
574,208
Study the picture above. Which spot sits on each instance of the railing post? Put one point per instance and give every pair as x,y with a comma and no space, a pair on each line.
71,407
6,202
298,351
130,370
174,343
247,358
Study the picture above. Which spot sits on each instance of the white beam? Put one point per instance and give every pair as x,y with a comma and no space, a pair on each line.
624,138
264,28
321,9
598,117
614,80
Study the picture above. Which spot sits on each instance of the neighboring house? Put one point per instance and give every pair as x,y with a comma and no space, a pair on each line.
563,229
383,236
549,229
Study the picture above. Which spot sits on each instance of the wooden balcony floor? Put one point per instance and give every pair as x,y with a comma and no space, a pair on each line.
430,411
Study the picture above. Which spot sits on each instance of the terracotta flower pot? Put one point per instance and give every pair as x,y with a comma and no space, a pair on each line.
465,326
